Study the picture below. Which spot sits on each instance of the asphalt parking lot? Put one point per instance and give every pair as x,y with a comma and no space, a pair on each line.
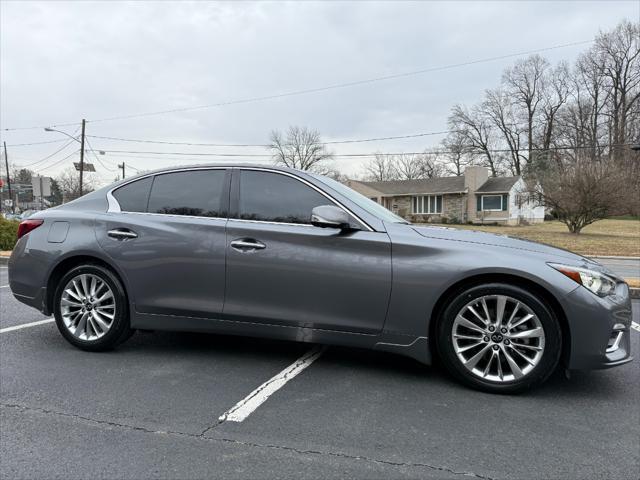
152,409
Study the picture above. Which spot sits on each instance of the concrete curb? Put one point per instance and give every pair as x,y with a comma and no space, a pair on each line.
613,257
4,260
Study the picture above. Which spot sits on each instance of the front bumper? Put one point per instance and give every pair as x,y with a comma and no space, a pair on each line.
600,329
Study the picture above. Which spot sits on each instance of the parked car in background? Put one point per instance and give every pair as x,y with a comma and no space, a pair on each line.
280,253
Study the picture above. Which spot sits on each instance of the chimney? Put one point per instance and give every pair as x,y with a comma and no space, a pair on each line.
474,178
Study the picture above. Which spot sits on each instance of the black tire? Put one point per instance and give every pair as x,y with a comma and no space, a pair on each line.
119,330
537,375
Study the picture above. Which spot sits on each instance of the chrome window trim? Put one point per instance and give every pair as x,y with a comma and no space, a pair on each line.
270,223
173,215
114,206
309,184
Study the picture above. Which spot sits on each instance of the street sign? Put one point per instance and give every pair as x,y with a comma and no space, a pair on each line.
87,167
41,186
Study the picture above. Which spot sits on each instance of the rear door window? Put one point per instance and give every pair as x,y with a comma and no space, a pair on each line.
133,196
195,193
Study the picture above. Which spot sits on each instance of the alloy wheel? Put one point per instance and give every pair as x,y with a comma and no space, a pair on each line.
498,338
87,307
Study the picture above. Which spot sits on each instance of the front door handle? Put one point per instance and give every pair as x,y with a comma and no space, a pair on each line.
247,245
122,234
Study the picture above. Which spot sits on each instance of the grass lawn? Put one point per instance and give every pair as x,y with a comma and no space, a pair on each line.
605,237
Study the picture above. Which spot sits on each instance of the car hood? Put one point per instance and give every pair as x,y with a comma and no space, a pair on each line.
505,241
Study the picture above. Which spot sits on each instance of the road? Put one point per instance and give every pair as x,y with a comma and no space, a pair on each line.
152,408
625,267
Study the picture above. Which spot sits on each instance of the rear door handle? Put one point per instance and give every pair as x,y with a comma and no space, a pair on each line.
122,234
247,245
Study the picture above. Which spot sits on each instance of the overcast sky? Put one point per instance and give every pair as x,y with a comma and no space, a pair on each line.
64,61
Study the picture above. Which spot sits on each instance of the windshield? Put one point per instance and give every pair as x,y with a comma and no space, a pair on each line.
363,202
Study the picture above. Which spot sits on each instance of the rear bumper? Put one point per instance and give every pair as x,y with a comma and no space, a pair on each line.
27,276
37,302
600,329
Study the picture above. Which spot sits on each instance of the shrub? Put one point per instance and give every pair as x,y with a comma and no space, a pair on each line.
8,233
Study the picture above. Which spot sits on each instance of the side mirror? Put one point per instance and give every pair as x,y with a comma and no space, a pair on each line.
329,216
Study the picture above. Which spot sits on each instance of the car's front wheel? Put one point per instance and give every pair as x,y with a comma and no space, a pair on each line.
90,308
499,338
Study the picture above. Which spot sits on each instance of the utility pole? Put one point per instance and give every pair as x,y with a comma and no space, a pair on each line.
41,193
122,167
82,154
6,164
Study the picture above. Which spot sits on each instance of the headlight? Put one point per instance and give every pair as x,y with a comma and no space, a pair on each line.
599,283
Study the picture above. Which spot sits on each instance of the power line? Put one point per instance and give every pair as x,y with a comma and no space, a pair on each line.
97,158
335,142
321,89
340,85
373,154
36,143
68,142
70,124
59,161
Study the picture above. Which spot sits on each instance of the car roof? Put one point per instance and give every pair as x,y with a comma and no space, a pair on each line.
222,165
173,168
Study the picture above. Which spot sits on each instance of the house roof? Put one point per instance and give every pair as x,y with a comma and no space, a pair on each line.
498,185
427,185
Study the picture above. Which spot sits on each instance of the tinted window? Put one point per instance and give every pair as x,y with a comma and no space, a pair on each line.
197,193
133,196
277,198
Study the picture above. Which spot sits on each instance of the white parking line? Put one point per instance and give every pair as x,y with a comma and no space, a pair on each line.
635,326
247,405
4,286
27,325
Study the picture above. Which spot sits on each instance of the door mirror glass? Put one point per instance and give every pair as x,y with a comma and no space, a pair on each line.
329,216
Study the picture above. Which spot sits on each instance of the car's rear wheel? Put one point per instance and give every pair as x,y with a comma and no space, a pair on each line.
91,309
499,338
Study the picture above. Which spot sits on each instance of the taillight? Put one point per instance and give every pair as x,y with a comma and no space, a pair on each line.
27,225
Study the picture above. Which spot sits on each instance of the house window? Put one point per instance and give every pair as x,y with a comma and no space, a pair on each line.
491,203
427,204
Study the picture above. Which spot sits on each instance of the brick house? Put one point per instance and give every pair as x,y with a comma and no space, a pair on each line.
471,197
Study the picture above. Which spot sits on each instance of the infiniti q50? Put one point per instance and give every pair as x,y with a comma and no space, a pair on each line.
280,253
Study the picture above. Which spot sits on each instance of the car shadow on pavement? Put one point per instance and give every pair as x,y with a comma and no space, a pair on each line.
596,384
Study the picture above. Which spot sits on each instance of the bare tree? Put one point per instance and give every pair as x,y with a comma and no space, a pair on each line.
524,85
620,52
300,148
404,166
69,184
456,153
555,94
477,133
567,129
413,167
380,169
581,193
500,111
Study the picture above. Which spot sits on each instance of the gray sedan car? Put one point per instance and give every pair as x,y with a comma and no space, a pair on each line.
280,253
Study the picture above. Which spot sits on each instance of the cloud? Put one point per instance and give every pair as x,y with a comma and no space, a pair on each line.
63,61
